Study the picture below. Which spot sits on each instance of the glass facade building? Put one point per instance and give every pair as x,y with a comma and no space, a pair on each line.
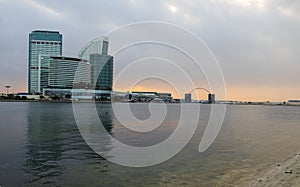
96,52
42,44
102,71
48,69
43,72
69,72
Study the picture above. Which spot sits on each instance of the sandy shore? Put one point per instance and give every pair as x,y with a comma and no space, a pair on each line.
282,174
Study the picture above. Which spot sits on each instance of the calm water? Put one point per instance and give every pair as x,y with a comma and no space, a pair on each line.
40,145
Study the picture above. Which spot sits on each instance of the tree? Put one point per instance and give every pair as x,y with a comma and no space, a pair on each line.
17,97
55,98
24,98
68,96
10,96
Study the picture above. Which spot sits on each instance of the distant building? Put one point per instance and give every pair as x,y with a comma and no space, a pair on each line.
294,102
188,98
152,96
41,43
166,97
211,98
79,94
102,71
62,71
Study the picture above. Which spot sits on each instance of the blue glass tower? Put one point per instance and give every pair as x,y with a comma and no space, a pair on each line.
102,71
42,44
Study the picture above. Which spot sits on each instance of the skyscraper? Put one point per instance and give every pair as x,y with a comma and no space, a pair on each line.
42,44
188,98
102,71
211,98
96,52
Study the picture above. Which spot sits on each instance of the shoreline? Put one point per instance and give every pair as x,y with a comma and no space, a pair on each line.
286,173
90,101
51,101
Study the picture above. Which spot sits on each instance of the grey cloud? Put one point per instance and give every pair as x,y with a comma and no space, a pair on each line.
251,45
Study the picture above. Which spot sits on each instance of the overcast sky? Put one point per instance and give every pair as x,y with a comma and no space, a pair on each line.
257,42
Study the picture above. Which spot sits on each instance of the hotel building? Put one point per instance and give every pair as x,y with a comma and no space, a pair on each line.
68,73
42,44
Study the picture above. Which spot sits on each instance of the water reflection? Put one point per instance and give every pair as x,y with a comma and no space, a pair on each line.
54,140
153,137
13,117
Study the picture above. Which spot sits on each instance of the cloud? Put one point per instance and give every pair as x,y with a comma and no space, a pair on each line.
42,8
256,4
173,8
255,41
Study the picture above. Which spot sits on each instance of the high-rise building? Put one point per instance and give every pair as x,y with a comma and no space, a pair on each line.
188,98
211,98
96,52
69,72
102,71
42,44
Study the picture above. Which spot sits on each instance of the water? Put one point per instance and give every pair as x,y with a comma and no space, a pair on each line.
40,144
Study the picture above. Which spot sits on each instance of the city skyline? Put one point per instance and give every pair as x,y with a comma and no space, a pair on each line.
257,52
49,69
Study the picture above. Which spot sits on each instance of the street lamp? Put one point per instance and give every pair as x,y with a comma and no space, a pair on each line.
7,89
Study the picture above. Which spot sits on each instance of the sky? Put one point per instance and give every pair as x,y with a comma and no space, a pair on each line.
256,42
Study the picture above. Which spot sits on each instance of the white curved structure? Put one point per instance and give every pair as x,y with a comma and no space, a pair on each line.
98,45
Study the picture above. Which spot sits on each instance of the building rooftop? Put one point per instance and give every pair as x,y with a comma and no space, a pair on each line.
44,31
45,35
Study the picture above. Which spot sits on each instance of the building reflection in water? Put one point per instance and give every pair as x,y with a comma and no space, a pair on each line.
55,149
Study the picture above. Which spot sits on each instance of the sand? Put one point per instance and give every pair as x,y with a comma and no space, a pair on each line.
282,174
